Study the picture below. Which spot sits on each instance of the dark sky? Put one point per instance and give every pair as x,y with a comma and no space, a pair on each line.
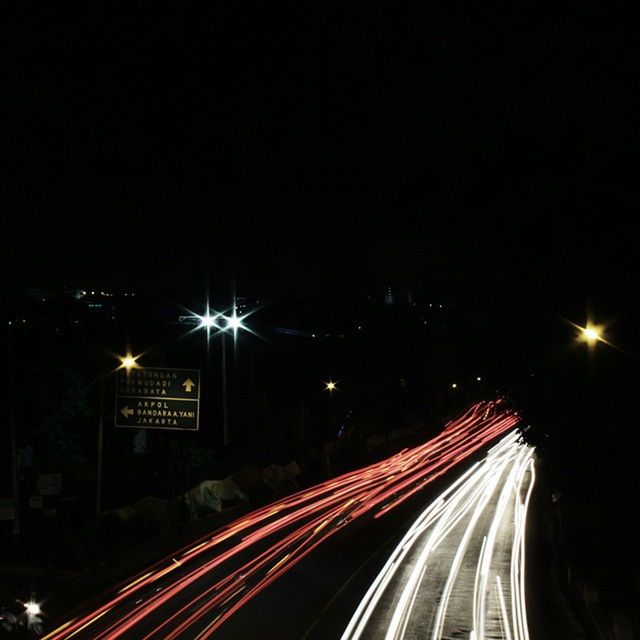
456,147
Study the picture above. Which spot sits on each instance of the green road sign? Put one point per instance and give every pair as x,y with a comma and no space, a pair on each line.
157,398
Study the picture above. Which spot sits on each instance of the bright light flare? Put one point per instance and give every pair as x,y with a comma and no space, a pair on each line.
330,386
591,334
234,322
128,362
208,321
32,608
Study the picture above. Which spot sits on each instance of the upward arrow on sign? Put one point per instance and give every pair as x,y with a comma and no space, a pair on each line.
188,384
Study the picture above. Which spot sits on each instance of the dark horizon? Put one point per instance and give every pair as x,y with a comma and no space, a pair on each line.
324,154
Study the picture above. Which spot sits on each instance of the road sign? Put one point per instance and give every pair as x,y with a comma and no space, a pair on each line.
158,398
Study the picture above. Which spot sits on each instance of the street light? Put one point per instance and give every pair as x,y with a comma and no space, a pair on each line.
591,334
330,386
34,621
127,362
235,323
223,324
32,608
209,321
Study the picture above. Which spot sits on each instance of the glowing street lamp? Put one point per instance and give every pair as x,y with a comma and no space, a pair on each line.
34,621
223,324
330,386
234,322
591,334
209,321
127,362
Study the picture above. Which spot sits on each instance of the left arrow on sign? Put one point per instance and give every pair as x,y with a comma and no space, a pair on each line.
126,412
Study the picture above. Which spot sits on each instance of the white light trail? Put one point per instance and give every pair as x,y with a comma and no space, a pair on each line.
461,565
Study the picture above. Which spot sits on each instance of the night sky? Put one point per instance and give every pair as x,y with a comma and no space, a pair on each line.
470,151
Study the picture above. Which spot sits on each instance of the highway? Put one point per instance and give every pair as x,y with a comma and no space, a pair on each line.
199,588
459,572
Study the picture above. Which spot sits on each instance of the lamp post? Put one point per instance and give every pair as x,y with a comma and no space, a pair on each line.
127,363
223,324
15,473
233,323
100,446
225,412
591,334
331,386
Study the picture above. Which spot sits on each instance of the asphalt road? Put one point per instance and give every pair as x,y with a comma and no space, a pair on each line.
298,568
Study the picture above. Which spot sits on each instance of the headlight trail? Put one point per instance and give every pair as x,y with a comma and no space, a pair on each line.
193,591
459,570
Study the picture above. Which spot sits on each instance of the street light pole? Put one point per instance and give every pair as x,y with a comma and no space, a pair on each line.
127,363
15,484
233,323
100,445
15,473
225,415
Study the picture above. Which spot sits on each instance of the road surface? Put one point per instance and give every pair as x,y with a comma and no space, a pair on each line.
193,593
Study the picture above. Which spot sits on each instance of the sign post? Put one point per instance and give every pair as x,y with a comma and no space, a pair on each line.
158,398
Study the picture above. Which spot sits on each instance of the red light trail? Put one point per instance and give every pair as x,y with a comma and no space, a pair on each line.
193,592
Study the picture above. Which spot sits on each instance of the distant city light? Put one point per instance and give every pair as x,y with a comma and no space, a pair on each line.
454,385
478,378
330,386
